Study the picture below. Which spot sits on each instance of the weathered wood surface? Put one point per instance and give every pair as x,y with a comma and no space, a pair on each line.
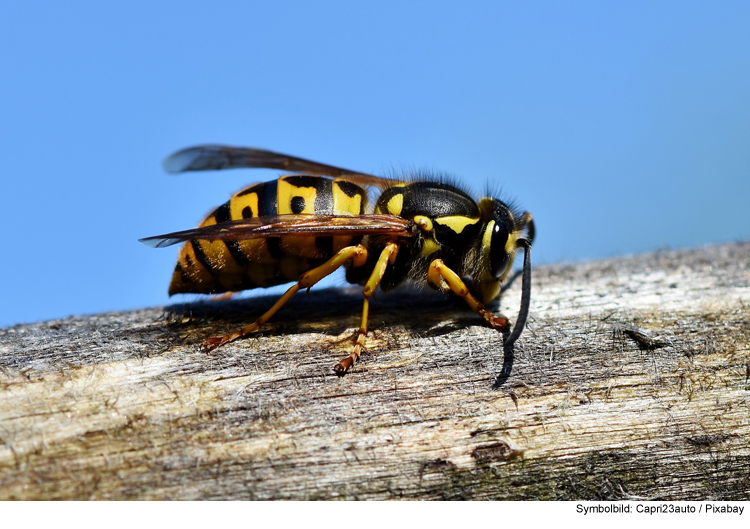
632,380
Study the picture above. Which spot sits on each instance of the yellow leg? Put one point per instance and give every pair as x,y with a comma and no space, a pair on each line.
440,276
358,255
387,257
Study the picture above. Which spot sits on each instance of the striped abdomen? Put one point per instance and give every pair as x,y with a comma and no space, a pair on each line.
210,267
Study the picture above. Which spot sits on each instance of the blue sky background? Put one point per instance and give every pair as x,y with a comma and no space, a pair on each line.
624,127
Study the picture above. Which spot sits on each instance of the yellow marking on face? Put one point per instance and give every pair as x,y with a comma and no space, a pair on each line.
486,240
456,223
396,204
510,245
287,192
237,205
423,222
429,247
485,253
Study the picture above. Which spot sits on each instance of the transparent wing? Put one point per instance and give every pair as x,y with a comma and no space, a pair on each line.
298,225
208,157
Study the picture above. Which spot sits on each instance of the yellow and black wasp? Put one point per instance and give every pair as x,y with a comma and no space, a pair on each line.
305,226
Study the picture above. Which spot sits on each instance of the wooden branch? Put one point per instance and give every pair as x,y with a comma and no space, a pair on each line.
632,380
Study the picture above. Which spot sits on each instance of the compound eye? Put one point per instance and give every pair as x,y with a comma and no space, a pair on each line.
498,256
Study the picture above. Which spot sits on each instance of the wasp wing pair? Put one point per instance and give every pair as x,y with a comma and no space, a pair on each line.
215,157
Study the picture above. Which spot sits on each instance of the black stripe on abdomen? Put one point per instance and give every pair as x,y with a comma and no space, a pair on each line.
267,200
223,214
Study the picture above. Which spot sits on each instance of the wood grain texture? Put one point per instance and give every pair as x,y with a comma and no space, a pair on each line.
632,380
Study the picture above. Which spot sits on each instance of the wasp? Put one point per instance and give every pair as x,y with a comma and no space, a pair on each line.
303,227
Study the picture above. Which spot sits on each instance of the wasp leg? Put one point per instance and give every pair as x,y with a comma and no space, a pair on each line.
387,256
358,255
440,275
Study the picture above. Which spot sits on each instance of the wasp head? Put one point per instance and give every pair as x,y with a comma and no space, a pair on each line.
502,235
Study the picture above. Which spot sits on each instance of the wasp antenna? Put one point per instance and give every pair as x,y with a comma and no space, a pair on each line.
527,221
525,293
